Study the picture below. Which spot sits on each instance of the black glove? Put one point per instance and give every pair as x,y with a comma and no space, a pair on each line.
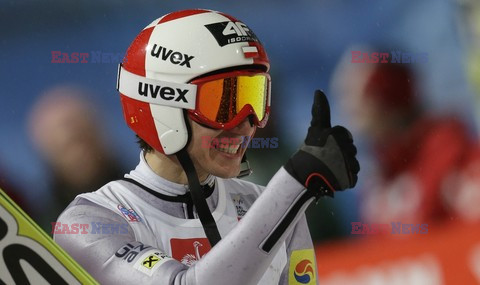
326,161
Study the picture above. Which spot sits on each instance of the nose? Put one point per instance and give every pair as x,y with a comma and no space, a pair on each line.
244,128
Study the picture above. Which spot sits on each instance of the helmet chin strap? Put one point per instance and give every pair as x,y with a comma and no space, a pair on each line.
196,192
245,169
198,198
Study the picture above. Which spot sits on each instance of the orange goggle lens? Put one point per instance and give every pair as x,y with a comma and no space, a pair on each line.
221,100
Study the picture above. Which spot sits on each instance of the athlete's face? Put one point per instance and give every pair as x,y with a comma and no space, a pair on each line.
219,152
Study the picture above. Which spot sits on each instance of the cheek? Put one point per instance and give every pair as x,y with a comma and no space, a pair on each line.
200,144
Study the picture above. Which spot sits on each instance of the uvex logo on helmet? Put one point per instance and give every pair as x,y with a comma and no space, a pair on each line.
166,92
231,32
175,57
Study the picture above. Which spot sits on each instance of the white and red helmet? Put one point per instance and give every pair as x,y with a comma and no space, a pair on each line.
203,61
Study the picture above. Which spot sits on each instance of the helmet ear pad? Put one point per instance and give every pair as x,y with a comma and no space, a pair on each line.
164,128
171,126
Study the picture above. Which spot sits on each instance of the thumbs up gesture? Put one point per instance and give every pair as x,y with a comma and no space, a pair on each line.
326,162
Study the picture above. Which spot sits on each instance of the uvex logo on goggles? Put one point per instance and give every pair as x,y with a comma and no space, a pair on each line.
158,92
166,92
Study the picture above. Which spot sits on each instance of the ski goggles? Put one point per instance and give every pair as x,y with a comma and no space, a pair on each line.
224,100
220,101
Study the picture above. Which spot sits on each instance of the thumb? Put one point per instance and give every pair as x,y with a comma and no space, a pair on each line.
320,111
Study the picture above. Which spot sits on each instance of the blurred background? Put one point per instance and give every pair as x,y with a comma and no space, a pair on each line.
415,123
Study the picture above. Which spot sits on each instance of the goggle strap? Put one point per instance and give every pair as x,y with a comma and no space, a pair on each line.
178,95
245,169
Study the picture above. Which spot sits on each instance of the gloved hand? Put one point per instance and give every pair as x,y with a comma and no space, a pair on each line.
326,161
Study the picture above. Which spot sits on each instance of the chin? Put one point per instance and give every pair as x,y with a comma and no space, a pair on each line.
226,173
222,167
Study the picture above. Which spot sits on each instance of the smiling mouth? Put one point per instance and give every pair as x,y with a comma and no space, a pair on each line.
227,148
